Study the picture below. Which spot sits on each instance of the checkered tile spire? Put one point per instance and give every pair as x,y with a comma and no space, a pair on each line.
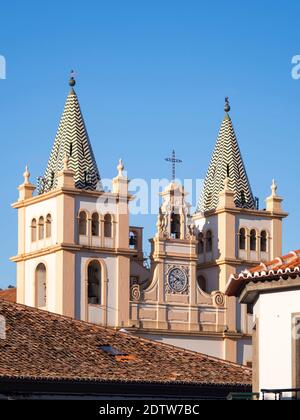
226,162
72,140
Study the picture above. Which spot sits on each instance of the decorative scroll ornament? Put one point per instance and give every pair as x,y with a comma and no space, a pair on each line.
135,293
218,299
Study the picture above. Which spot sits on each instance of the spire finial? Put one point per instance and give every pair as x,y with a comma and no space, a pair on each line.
26,175
227,106
66,162
120,168
274,188
226,183
72,81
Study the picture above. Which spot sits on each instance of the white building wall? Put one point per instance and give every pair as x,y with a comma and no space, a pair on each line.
274,311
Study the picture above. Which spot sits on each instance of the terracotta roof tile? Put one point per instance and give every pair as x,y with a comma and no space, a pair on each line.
285,265
40,344
9,294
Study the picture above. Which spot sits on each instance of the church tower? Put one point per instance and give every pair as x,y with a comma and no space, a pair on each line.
232,232
73,238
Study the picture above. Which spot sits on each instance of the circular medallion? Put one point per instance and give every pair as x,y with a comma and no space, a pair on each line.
177,280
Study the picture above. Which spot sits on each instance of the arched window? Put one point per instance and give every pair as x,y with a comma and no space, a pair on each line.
94,283
33,230
95,224
263,241
41,286
201,280
48,225
209,246
253,240
82,223
242,239
41,228
200,243
107,226
175,225
133,240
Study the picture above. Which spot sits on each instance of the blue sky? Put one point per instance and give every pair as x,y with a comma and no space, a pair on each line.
152,75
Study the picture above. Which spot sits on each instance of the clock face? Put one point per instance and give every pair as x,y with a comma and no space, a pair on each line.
177,280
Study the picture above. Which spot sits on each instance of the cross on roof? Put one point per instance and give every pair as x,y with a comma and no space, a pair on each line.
173,160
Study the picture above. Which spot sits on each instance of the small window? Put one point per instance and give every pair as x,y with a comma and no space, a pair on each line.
263,241
209,245
243,198
94,283
201,283
41,286
228,171
107,226
242,239
253,242
71,149
175,225
41,228
112,351
82,223
133,240
33,230
95,224
200,243
48,225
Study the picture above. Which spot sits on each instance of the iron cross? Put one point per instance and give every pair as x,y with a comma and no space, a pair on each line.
173,160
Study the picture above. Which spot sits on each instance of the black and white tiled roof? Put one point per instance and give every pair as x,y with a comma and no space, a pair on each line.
226,162
72,140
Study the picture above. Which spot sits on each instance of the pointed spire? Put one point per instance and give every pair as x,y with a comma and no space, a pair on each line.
72,140
226,162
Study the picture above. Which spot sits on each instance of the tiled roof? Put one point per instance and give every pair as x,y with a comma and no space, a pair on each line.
42,345
282,266
9,294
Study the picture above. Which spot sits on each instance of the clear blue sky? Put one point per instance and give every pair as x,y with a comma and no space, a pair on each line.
152,75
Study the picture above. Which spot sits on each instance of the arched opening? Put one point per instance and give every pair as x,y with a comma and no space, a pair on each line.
200,243
242,239
107,226
253,241
209,244
48,225
263,241
175,225
82,223
201,280
41,228
94,283
95,224
133,240
41,286
33,230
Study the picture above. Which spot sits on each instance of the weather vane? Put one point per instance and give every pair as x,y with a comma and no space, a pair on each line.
173,160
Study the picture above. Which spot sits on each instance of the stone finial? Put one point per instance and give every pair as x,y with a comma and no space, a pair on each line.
274,188
72,81
120,168
26,175
66,162
226,183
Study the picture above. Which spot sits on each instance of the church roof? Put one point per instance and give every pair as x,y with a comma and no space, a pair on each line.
281,267
41,345
9,294
226,162
72,140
